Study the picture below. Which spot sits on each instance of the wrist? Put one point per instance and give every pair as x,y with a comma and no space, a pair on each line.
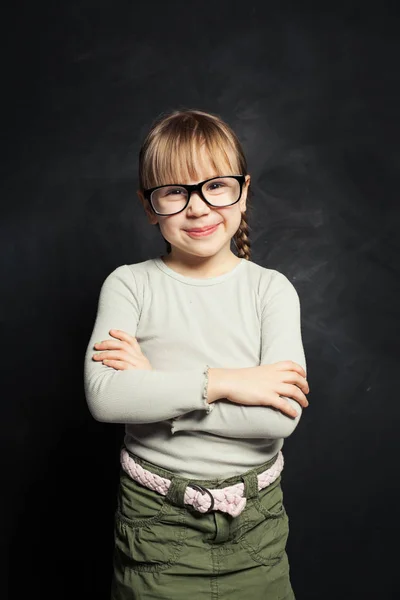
219,384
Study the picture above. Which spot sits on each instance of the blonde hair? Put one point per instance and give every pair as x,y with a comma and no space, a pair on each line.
168,155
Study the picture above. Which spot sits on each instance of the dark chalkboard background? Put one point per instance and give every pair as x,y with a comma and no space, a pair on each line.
313,93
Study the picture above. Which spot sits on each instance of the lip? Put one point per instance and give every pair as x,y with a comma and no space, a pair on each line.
205,232
203,229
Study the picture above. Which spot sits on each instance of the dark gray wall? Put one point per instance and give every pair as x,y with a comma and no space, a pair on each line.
313,94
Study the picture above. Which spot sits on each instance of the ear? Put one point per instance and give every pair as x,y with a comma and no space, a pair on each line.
151,216
243,200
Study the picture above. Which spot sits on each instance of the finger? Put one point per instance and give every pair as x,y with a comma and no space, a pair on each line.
115,346
284,406
122,335
112,355
299,380
112,345
287,389
128,341
290,365
119,365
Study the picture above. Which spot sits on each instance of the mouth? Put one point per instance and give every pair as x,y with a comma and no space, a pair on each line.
202,232
208,229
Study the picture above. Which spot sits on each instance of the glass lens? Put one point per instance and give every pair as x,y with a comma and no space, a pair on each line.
220,191
169,199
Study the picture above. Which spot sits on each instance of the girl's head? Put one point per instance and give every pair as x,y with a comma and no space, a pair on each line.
187,147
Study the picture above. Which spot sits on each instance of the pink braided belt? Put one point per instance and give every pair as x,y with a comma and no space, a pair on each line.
229,499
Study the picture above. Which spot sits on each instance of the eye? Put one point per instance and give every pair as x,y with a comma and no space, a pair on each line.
174,191
216,186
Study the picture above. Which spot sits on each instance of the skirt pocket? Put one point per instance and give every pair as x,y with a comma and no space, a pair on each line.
149,533
266,529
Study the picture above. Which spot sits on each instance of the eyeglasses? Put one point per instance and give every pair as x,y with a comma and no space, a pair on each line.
217,192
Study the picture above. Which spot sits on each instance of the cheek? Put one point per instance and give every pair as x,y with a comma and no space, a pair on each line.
235,219
230,215
172,226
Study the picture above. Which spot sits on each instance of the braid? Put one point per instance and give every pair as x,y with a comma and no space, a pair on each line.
241,239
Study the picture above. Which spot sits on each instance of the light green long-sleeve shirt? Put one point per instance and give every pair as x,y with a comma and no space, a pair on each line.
243,318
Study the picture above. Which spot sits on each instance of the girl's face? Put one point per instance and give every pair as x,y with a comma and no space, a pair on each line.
198,214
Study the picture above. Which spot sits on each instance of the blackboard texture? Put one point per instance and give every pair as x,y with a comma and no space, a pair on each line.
312,90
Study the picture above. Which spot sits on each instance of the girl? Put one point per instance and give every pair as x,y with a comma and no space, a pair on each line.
200,355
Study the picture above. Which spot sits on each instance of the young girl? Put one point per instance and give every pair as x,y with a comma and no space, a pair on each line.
199,353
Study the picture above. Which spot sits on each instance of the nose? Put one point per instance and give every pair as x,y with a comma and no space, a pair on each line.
196,204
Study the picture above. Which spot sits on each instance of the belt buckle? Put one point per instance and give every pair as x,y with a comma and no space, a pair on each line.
204,490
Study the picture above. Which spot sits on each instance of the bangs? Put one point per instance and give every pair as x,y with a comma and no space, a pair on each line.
182,150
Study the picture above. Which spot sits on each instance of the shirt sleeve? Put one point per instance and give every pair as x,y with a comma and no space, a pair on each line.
134,395
281,340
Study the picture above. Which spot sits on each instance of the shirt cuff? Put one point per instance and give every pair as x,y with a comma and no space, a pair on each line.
204,397
208,407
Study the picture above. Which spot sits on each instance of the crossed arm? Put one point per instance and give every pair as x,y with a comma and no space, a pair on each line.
281,340
132,392
137,394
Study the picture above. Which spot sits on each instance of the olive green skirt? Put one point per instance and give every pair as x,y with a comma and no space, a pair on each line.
165,549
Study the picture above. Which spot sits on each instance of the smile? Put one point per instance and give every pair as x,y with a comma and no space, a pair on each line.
204,233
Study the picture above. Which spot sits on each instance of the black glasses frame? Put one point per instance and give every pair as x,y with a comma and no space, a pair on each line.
195,187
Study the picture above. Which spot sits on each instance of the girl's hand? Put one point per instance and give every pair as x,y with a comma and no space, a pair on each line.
266,384
121,353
